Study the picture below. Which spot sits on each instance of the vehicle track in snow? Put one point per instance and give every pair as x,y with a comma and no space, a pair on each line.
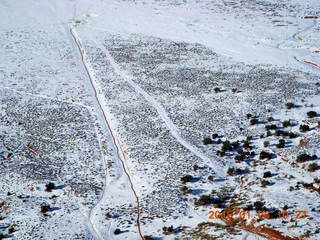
118,154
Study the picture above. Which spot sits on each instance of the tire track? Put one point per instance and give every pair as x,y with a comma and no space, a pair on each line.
119,153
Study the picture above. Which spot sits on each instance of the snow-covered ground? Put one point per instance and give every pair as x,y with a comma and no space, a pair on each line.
111,101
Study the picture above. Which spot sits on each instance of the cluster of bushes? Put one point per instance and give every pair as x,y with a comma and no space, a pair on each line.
167,230
186,178
265,155
313,167
305,157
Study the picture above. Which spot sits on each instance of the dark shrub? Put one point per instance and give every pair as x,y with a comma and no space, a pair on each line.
184,190
50,186
246,145
267,174
249,115
313,167
210,178
286,124
254,121
304,128
314,157
117,231
204,200
234,90
271,127
266,143
215,135
45,208
265,183
292,135
258,206
269,133
312,114
289,105
270,119
230,171
207,141
281,143
303,157
240,158
265,155
217,90
195,167
187,178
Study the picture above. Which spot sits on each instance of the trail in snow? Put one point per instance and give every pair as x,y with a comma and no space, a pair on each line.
219,166
117,154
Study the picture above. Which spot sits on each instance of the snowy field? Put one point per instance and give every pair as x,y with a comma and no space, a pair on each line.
139,119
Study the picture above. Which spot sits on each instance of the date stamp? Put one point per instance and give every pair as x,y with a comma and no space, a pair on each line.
241,214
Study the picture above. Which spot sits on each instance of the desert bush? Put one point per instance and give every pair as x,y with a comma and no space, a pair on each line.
286,124
303,158
117,231
313,167
217,90
248,115
258,206
267,174
289,105
264,183
207,141
270,119
266,143
281,143
204,200
45,208
50,186
312,114
265,155
271,127
215,135
230,171
304,128
254,121
186,178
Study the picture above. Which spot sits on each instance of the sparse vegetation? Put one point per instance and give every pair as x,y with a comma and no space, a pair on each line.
290,105
265,155
312,114
304,128
186,178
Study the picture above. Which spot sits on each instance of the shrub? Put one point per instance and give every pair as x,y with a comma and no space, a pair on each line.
271,127
313,167
195,167
148,237
168,229
269,133
215,135
240,158
254,121
2,236
117,231
292,135
303,157
265,155
265,183
216,90
304,128
270,119
266,143
281,143
286,124
230,171
210,178
186,178
45,208
234,90
246,145
267,174
207,141
289,105
249,115
50,186
258,206
184,190
312,114
204,200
